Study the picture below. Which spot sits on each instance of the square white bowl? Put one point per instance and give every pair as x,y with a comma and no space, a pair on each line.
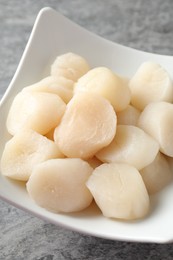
53,34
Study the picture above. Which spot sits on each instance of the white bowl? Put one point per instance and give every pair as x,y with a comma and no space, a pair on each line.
52,35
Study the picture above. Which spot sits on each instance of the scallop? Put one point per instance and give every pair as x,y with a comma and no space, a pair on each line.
131,145
59,185
61,86
157,175
157,120
24,151
69,65
104,82
89,124
119,191
39,111
151,83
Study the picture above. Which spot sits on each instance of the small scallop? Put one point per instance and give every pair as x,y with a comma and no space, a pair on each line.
157,175
59,185
150,83
39,111
131,145
61,86
157,120
128,116
119,191
24,151
89,124
69,65
104,82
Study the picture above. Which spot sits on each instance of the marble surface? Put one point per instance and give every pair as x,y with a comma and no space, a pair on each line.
146,25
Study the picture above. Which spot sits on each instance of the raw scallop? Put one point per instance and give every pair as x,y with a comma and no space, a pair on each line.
70,66
119,191
151,83
131,145
57,85
88,125
59,185
104,82
157,175
24,151
39,111
157,120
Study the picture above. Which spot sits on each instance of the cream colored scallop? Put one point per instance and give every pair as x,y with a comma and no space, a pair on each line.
59,185
131,145
128,116
24,151
119,191
61,86
39,111
104,82
157,120
89,124
70,66
150,83
157,175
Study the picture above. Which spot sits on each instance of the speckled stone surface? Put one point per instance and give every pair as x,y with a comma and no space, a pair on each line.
146,25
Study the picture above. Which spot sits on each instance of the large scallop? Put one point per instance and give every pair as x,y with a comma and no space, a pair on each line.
89,124
119,191
59,185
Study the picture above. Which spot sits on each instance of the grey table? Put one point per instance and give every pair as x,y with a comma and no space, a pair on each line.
146,25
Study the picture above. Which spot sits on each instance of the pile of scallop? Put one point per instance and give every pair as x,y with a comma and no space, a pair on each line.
85,134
